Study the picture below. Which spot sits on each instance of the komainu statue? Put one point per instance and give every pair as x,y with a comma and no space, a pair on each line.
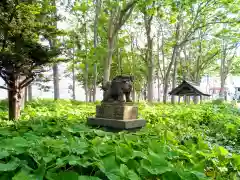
119,87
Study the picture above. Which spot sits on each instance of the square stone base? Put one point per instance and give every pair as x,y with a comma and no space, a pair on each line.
118,111
117,124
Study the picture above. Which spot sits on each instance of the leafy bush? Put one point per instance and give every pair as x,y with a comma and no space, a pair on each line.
52,141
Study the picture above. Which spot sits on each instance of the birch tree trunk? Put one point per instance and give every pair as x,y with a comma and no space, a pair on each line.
97,11
117,19
30,97
73,79
174,76
166,77
55,66
174,52
149,58
56,82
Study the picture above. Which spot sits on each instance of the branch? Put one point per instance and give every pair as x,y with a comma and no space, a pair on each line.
203,65
3,87
4,78
141,52
27,83
124,15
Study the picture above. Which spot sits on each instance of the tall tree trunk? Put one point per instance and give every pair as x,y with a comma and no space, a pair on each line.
149,58
150,83
223,70
86,60
14,100
199,57
134,94
56,82
90,94
174,76
174,53
150,71
73,81
86,83
30,97
118,17
97,10
24,98
108,61
166,77
73,75
159,87
26,94
95,83
55,66
159,67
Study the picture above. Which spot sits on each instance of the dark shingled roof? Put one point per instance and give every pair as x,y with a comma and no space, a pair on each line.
189,89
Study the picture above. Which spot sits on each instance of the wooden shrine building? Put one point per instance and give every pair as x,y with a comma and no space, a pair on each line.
187,88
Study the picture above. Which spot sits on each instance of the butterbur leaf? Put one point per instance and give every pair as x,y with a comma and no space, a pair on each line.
133,164
236,160
191,175
88,178
19,142
51,175
40,172
124,153
108,164
145,164
10,166
5,132
103,149
73,160
49,157
110,167
156,147
75,128
199,166
130,174
68,175
155,164
3,154
200,175
139,154
171,175
78,147
221,151
22,175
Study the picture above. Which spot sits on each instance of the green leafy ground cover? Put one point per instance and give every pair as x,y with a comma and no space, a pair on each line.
51,141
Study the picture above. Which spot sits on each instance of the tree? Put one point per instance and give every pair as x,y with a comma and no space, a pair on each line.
95,42
21,54
117,18
148,13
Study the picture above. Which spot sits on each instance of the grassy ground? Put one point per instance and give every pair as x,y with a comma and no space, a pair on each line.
52,141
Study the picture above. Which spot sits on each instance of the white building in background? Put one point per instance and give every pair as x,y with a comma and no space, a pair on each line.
232,86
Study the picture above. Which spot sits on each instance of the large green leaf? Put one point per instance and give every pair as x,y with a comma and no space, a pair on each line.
110,167
22,175
68,175
155,164
88,178
9,166
3,154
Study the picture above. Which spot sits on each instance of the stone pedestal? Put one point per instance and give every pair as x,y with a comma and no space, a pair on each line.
117,115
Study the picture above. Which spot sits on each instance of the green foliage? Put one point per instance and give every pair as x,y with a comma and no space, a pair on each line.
52,141
20,29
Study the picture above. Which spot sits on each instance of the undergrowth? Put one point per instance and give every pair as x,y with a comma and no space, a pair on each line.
51,141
